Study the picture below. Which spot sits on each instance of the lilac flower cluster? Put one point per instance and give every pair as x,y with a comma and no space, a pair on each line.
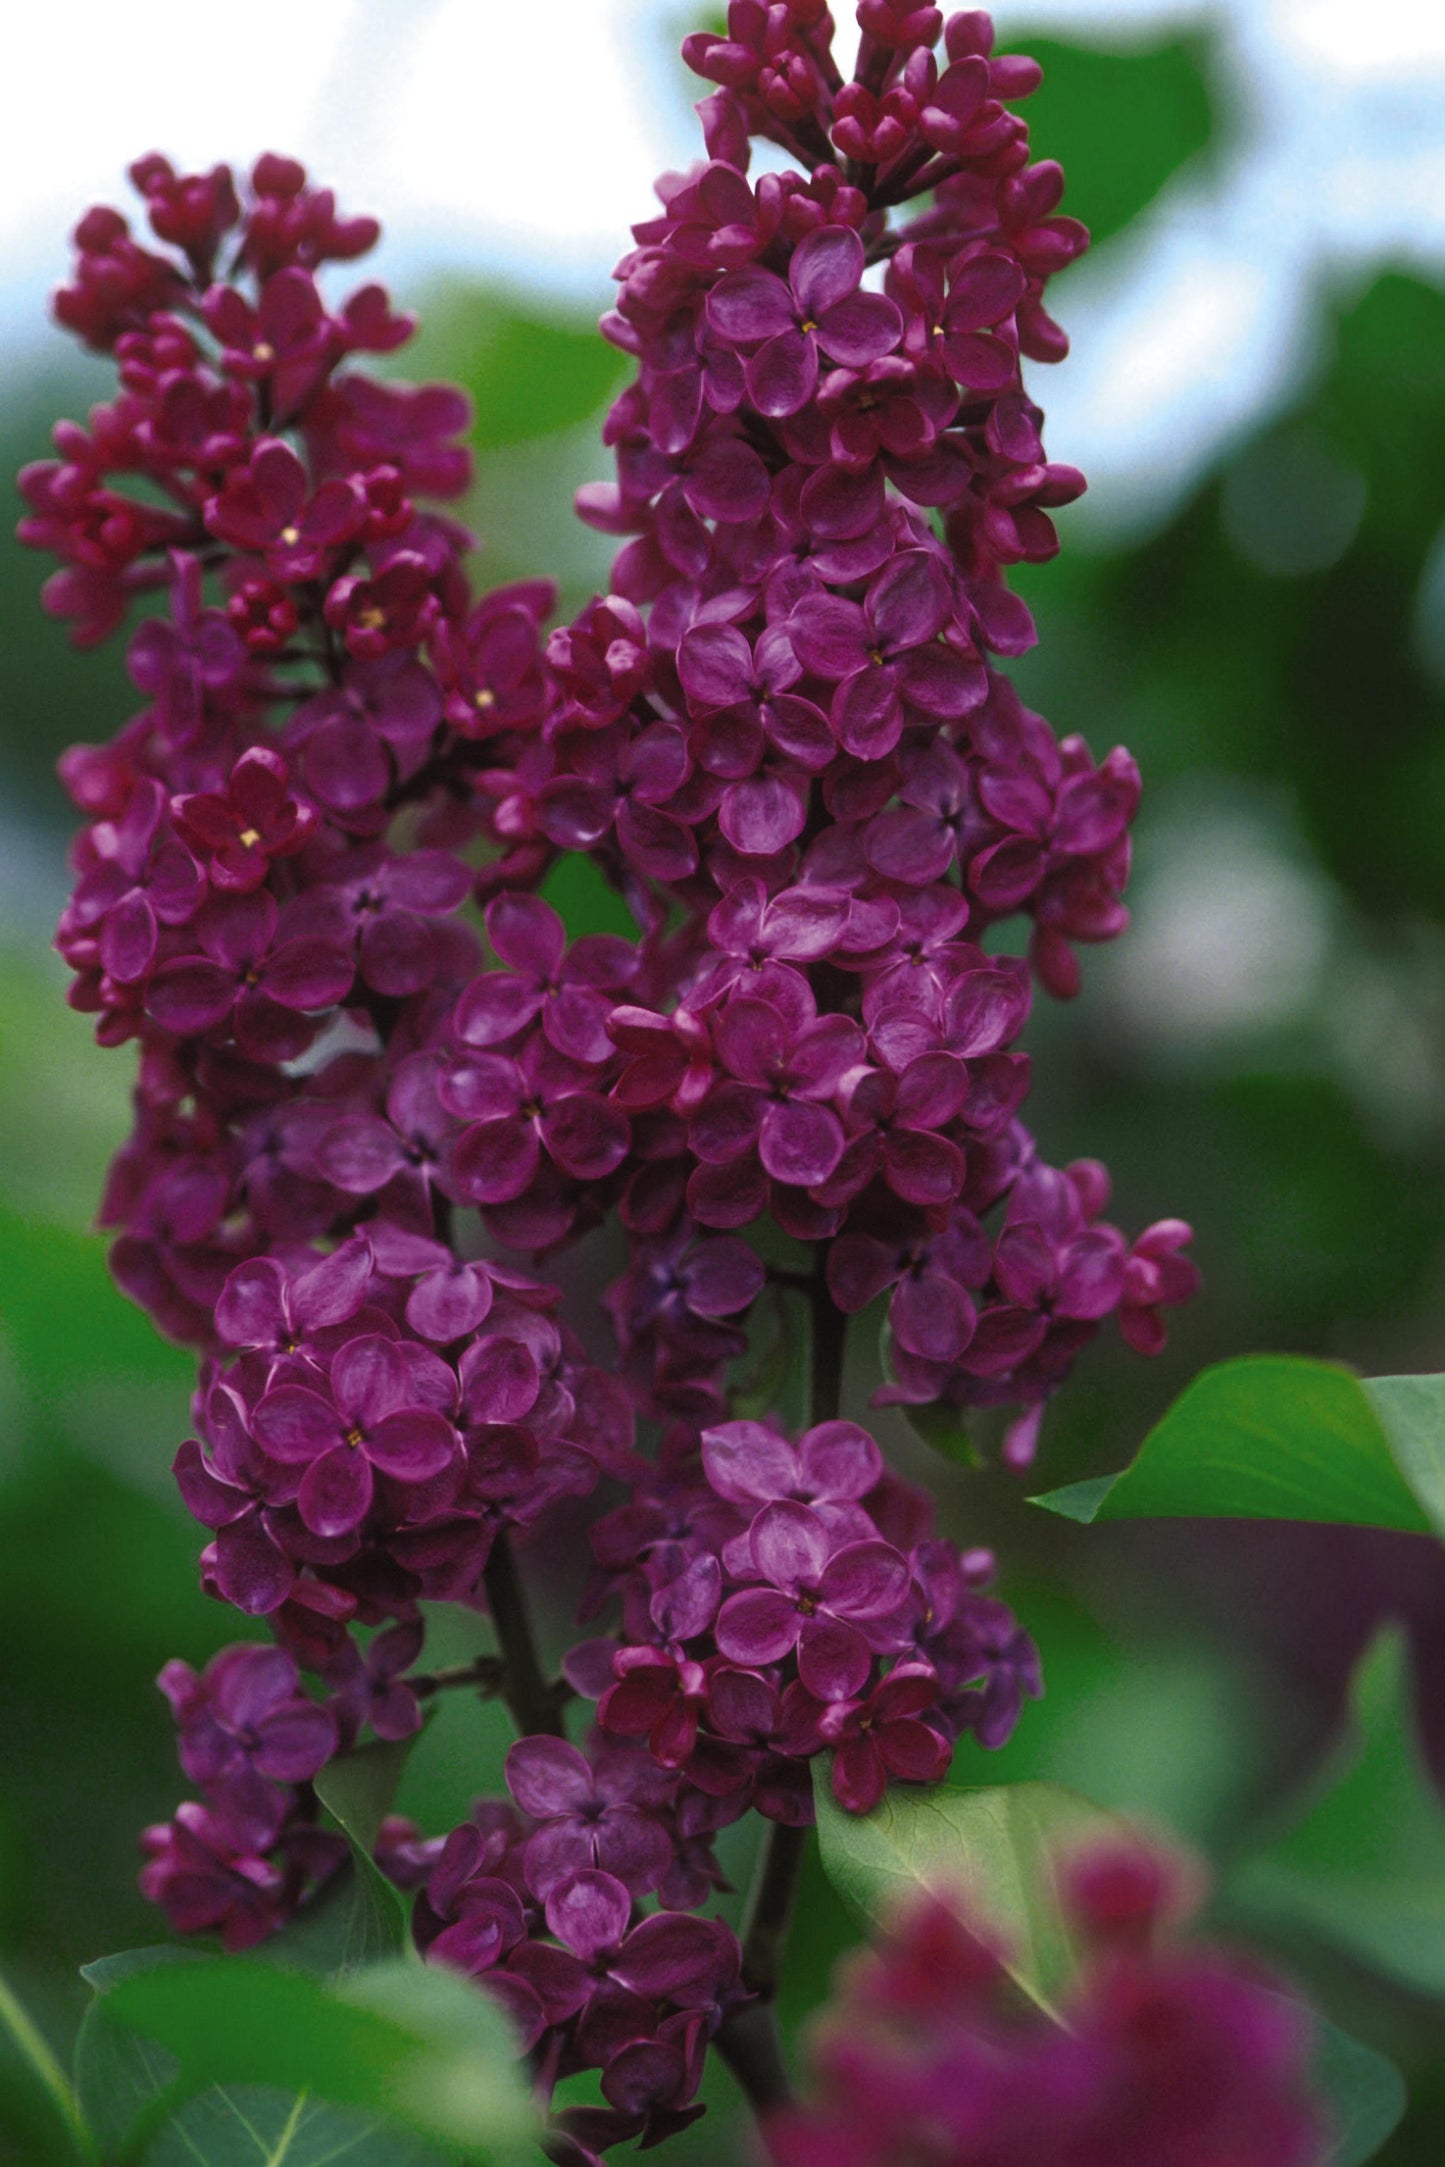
1167,2052
241,1861
379,1085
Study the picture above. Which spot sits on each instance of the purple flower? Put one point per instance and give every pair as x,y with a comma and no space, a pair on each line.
587,1815
370,1690
181,664
218,1870
352,740
267,1308
285,339
881,1736
1166,2052
266,507
619,785
773,1103
568,988
752,1464
491,664
247,980
369,1423
244,1718
404,1155
383,908
783,741
240,830
830,1604
541,1103
884,657
893,1125
659,1694
961,313
605,1962
819,310
141,878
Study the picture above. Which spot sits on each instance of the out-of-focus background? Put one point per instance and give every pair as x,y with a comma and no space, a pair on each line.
1252,598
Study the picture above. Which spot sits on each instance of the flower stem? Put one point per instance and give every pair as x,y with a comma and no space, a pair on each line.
750,2046
827,1342
749,2042
531,1701
770,1906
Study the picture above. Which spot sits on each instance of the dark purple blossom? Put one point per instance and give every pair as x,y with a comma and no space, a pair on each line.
1166,2052
785,326
587,1815
567,988
370,1422
783,744
237,832
830,1604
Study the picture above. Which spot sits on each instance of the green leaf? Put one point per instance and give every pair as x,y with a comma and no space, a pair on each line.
119,2075
254,2125
35,2052
530,374
349,1922
1120,123
357,1791
1277,1437
585,899
421,2047
942,1427
1365,2091
939,1426
133,2092
997,1852
1362,1862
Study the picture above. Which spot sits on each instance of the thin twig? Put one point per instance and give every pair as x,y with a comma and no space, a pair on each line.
485,1673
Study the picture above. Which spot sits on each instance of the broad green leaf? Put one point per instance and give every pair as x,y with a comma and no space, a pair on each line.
349,1922
254,2125
357,1791
118,2074
1362,1863
996,1852
1278,1437
35,2052
130,2089
530,373
1365,2091
1120,123
423,2048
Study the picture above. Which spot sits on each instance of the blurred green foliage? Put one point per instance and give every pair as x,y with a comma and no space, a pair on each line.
1119,125
1360,1859
1264,1056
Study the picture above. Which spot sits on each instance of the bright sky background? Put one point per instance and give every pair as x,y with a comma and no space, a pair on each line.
523,139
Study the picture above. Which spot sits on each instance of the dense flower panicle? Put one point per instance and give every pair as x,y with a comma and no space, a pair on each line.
379,1085
1167,2051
